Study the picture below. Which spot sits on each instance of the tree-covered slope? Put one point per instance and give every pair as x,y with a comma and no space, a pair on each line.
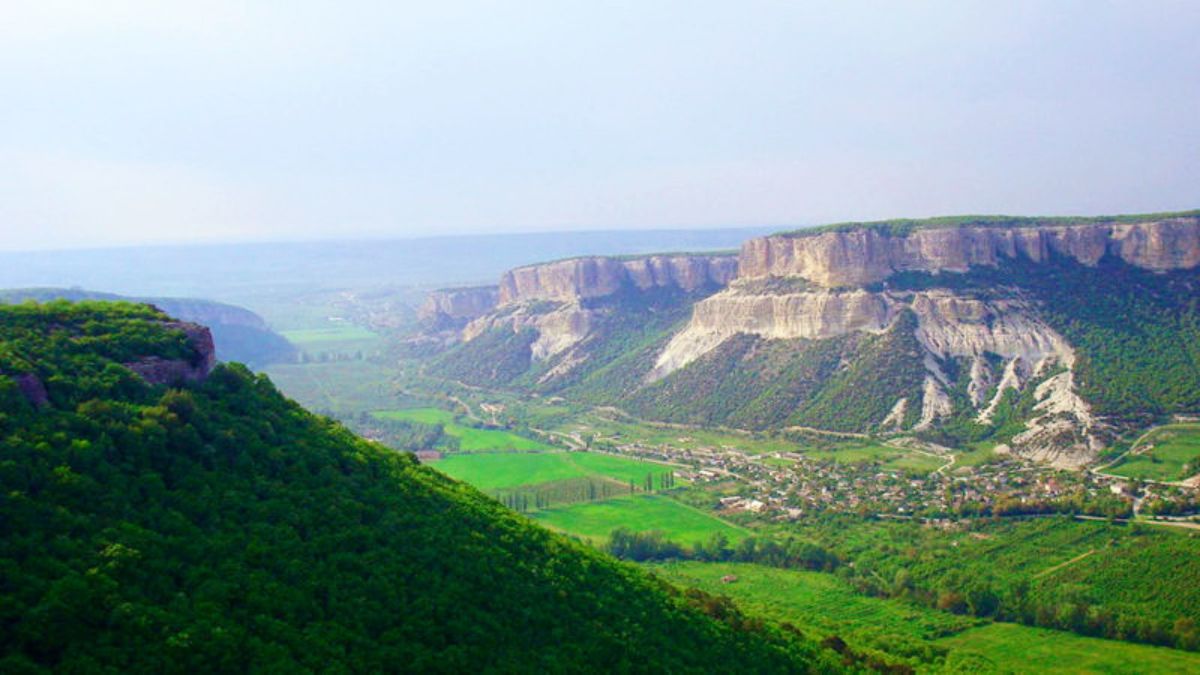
240,334
221,527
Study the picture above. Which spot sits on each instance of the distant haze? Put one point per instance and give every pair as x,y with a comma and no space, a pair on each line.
128,122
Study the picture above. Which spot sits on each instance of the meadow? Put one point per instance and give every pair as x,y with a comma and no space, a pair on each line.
678,522
334,341
1167,450
335,387
506,470
1016,648
470,439
307,337
645,433
925,638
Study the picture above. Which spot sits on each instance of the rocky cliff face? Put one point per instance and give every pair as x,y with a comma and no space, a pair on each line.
987,346
159,371
552,299
451,305
585,278
865,256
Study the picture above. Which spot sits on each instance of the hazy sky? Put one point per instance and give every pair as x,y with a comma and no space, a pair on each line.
125,121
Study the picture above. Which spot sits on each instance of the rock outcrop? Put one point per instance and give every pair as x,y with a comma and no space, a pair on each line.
32,389
859,257
450,306
555,299
948,325
159,371
596,277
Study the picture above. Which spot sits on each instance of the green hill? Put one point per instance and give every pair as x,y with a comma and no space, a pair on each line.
220,527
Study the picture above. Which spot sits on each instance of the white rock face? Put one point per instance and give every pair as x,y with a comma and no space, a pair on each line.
935,403
1063,432
1011,379
818,315
598,277
895,417
558,329
865,256
948,325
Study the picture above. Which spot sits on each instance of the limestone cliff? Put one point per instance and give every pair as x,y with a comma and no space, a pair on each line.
160,371
596,277
824,318
563,304
867,255
454,305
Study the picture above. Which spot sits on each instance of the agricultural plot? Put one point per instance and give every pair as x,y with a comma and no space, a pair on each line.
926,638
642,513
815,599
334,341
1016,648
508,470
307,337
337,387
651,434
1164,454
470,439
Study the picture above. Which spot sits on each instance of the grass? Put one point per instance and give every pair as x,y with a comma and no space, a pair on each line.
651,434
925,637
1026,649
854,453
494,471
916,463
778,461
1169,448
315,337
470,439
979,454
678,522
338,387
816,600
334,339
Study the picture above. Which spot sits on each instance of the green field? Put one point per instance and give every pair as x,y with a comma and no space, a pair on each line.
1166,451
1016,648
652,434
641,513
498,471
817,600
315,337
915,462
339,387
470,439
925,638
339,339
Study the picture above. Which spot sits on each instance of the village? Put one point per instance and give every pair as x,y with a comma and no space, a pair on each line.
792,485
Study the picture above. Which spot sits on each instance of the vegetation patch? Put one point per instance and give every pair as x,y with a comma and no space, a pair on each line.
1170,453
595,521
470,439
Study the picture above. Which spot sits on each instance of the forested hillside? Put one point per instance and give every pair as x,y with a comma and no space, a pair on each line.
241,335
219,527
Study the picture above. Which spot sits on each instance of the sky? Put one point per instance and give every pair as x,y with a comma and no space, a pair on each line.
126,122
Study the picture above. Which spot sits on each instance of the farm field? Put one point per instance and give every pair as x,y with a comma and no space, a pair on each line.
815,599
652,434
470,439
337,387
338,339
678,522
1017,648
307,337
504,470
920,635
1169,448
